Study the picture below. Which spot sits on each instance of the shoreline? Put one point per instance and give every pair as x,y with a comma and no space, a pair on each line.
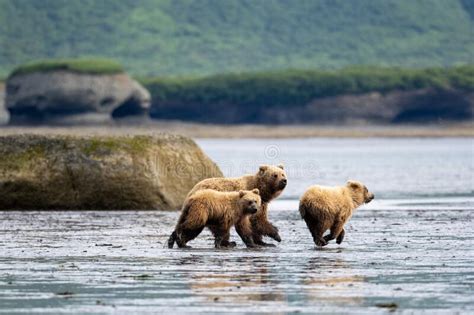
203,131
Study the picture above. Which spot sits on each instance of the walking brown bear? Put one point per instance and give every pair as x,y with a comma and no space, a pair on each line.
325,208
270,180
218,211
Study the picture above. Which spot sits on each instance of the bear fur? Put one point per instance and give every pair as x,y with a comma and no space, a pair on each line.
325,208
270,180
218,211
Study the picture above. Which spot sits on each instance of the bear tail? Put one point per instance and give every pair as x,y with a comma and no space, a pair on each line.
172,239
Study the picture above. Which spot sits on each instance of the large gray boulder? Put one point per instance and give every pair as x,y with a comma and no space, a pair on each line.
64,172
65,96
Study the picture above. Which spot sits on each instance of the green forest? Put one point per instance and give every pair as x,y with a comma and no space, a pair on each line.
203,37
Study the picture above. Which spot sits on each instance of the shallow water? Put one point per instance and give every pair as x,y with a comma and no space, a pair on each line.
116,261
411,249
391,168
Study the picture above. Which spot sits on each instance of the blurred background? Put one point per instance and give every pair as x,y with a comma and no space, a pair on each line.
282,62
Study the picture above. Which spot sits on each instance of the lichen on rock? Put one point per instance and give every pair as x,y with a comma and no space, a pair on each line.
92,172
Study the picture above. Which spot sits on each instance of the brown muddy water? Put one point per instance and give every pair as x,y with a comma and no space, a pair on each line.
409,251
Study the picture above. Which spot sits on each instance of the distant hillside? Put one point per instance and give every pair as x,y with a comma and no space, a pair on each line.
172,37
356,94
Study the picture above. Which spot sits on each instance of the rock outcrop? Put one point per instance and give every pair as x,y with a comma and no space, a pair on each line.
64,172
416,106
3,112
427,105
63,96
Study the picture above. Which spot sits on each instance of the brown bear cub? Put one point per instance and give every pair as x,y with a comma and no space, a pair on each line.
218,211
270,181
325,208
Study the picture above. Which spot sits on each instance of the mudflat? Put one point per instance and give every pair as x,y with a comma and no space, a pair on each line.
394,257
410,249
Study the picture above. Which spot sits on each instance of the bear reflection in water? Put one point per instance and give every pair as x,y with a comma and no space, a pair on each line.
331,281
244,281
239,283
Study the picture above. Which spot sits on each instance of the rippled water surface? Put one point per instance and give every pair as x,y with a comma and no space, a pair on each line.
412,249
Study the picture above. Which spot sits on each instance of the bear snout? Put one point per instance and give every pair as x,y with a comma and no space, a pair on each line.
283,183
370,198
252,209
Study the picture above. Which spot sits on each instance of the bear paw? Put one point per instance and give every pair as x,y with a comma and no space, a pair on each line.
276,237
225,244
321,242
274,234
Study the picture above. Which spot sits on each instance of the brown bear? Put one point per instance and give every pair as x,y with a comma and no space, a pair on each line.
270,181
218,211
325,208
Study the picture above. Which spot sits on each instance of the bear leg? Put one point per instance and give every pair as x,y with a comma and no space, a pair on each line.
316,231
185,235
224,240
340,238
221,239
244,229
172,239
272,231
337,230
329,237
221,235
261,226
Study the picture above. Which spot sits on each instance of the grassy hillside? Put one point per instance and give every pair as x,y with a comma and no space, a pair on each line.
297,87
272,97
176,37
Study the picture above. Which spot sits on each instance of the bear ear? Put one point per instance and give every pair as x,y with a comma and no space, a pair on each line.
241,193
352,184
263,168
281,166
256,191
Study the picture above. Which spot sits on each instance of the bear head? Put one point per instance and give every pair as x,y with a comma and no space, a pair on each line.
359,192
249,201
271,181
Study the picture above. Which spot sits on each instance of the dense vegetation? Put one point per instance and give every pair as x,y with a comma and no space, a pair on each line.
92,66
293,87
200,37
